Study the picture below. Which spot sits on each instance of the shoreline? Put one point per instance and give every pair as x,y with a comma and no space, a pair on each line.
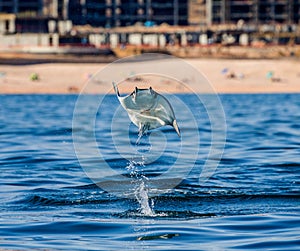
224,75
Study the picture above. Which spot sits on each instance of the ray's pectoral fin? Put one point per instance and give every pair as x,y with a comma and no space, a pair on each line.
175,125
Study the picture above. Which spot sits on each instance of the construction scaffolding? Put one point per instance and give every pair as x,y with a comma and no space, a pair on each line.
120,13
115,13
253,11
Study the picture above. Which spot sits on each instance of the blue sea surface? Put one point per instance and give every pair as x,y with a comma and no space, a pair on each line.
251,201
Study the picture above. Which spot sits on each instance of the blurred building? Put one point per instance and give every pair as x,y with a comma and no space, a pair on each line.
36,8
197,10
253,11
112,13
115,13
29,7
31,16
48,25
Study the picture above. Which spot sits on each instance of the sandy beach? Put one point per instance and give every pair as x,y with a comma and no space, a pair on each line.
224,75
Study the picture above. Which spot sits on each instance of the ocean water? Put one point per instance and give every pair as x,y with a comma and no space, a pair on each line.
49,202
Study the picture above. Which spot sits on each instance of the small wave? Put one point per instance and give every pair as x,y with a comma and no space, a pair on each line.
59,200
176,205
61,131
186,214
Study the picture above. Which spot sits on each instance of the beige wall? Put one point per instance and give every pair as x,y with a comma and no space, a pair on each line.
24,40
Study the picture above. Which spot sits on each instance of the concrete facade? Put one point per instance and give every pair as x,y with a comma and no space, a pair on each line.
27,40
7,23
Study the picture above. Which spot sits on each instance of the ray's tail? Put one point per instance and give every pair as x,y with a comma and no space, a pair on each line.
116,88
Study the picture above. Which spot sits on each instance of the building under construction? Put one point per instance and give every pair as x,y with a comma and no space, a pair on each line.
105,13
94,26
36,8
252,11
115,13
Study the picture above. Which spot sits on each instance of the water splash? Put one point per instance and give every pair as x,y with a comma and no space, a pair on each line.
135,168
146,204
